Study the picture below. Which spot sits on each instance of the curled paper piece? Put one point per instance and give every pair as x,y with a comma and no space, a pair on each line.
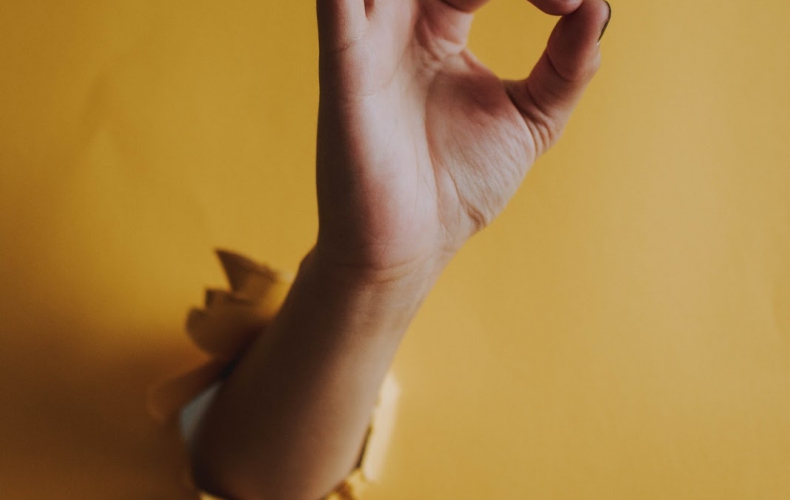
166,398
228,323
249,279
381,429
371,463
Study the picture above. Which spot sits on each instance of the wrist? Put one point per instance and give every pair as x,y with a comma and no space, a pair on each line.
384,300
414,273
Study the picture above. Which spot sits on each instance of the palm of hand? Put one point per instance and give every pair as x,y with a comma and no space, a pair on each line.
420,146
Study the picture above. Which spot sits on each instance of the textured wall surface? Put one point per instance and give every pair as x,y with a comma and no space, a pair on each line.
621,332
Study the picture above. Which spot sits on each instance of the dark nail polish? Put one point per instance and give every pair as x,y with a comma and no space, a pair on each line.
606,25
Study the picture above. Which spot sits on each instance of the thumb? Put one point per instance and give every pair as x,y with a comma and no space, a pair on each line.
548,96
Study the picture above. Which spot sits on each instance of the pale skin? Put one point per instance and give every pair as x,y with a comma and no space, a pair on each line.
419,147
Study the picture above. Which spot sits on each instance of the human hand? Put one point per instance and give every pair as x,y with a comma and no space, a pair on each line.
420,146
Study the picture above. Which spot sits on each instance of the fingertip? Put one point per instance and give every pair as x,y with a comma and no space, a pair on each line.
573,45
557,7
608,19
595,13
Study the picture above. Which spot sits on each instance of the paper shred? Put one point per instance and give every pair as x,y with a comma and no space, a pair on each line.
166,398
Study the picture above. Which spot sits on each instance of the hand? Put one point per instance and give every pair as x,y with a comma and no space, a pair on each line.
419,145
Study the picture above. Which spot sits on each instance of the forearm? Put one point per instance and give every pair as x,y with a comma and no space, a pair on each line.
290,420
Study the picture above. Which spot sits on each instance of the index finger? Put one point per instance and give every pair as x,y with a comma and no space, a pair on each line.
340,22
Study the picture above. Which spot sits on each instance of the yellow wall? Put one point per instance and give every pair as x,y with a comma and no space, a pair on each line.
621,332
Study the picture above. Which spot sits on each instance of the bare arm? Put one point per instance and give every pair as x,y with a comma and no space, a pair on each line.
419,148
290,422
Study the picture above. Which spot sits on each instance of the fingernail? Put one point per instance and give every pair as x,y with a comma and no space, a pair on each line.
606,25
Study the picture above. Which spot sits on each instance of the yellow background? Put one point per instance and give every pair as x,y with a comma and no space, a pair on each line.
621,332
